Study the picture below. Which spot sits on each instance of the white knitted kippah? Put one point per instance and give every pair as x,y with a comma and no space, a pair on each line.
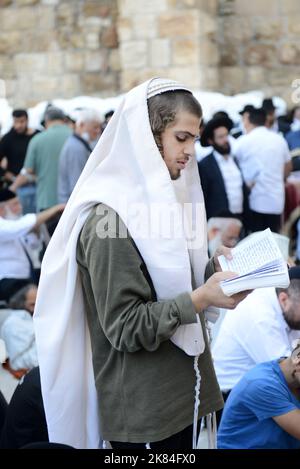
161,85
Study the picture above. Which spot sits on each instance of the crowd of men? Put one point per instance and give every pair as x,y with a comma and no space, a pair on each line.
244,170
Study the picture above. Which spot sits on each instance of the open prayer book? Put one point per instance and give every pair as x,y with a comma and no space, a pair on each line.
258,262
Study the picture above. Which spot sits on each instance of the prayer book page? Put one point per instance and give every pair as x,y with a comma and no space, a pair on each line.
258,263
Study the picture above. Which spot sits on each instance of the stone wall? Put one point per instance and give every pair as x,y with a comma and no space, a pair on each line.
259,43
58,49
170,38
63,48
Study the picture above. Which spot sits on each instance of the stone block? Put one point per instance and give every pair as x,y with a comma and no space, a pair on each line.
144,26
209,79
190,79
98,83
11,42
7,67
294,25
26,2
134,54
133,7
185,52
41,41
209,53
74,61
160,53
46,17
114,62
69,86
109,37
232,79
208,6
19,19
290,7
255,76
96,61
260,54
5,3
66,13
236,31
55,63
176,24
266,8
92,40
125,29
30,63
49,2
229,55
269,29
208,25
289,53
45,88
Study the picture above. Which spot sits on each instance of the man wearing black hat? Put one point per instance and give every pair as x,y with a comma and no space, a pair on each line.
261,328
276,125
221,179
15,265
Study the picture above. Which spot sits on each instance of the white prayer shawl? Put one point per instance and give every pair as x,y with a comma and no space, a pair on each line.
124,169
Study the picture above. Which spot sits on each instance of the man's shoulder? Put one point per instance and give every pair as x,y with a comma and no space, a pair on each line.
206,161
105,222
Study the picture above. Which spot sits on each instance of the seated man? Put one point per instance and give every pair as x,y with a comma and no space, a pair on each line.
17,332
224,231
260,329
263,410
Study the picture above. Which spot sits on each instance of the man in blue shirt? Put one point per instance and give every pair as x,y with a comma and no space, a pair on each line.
263,409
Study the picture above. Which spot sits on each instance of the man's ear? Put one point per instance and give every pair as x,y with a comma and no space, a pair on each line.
212,233
283,298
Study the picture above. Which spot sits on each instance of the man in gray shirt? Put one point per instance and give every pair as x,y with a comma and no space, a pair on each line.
76,151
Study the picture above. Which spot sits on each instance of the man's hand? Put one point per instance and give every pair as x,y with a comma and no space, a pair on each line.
222,250
211,293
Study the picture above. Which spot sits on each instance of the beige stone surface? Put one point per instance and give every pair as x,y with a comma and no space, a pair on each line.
289,53
270,29
290,7
209,53
134,7
185,52
114,61
144,26
74,61
109,37
266,8
232,78
125,29
95,61
255,76
51,47
26,2
294,25
160,53
176,24
134,54
258,54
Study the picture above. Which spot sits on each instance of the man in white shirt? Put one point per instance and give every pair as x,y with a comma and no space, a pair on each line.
265,161
261,328
15,267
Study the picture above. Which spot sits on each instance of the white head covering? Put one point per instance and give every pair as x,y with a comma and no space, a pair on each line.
124,169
